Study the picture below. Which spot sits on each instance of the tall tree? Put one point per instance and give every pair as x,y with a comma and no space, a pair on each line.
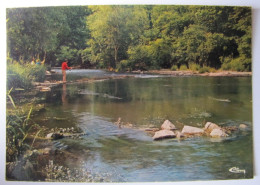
32,32
46,32
110,33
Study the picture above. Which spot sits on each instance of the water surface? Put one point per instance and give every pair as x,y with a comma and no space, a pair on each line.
130,154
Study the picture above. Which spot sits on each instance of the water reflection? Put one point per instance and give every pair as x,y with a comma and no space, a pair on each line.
64,94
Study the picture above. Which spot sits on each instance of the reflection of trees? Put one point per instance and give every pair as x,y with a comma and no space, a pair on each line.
167,98
58,109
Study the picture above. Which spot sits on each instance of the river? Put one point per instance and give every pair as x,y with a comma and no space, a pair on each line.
130,154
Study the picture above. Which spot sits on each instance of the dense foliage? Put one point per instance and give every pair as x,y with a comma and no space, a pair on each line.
47,33
133,37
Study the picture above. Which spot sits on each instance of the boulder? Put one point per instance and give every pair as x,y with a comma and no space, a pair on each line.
46,151
189,130
242,126
167,125
210,126
217,132
47,73
178,134
54,136
162,134
49,136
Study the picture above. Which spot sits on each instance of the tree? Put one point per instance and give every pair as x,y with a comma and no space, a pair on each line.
143,36
73,35
31,32
43,32
109,33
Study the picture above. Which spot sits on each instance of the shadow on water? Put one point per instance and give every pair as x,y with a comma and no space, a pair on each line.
130,154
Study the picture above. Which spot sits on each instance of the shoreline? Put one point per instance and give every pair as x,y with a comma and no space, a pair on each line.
47,85
191,73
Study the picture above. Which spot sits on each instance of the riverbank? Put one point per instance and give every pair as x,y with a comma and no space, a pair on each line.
191,73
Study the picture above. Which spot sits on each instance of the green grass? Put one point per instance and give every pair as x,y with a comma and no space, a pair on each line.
22,75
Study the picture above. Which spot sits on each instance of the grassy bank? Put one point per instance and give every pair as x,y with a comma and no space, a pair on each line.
21,75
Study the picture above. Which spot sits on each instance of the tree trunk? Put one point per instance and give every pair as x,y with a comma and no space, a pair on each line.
116,56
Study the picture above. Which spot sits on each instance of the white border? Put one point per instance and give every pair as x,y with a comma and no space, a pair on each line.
255,4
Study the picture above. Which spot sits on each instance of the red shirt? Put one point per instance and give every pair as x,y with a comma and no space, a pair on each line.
65,66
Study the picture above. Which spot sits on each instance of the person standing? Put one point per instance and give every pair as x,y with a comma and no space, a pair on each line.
64,67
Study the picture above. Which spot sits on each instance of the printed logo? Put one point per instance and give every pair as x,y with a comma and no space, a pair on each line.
237,170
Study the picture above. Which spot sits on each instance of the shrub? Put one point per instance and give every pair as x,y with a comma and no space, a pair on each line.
183,68
22,75
238,64
204,69
36,72
194,67
212,70
174,67
18,127
226,66
141,57
124,65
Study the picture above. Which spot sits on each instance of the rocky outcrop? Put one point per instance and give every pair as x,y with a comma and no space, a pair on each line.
218,132
167,125
162,134
189,130
210,126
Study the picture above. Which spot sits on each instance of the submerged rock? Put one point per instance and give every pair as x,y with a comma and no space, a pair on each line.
218,132
230,129
167,125
189,130
163,134
210,126
151,129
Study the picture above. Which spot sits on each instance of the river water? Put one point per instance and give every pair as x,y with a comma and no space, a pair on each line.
130,154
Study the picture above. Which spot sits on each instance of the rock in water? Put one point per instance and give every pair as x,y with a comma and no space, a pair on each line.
163,134
218,132
178,134
54,136
49,136
210,126
45,89
46,151
189,130
167,125
242,126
